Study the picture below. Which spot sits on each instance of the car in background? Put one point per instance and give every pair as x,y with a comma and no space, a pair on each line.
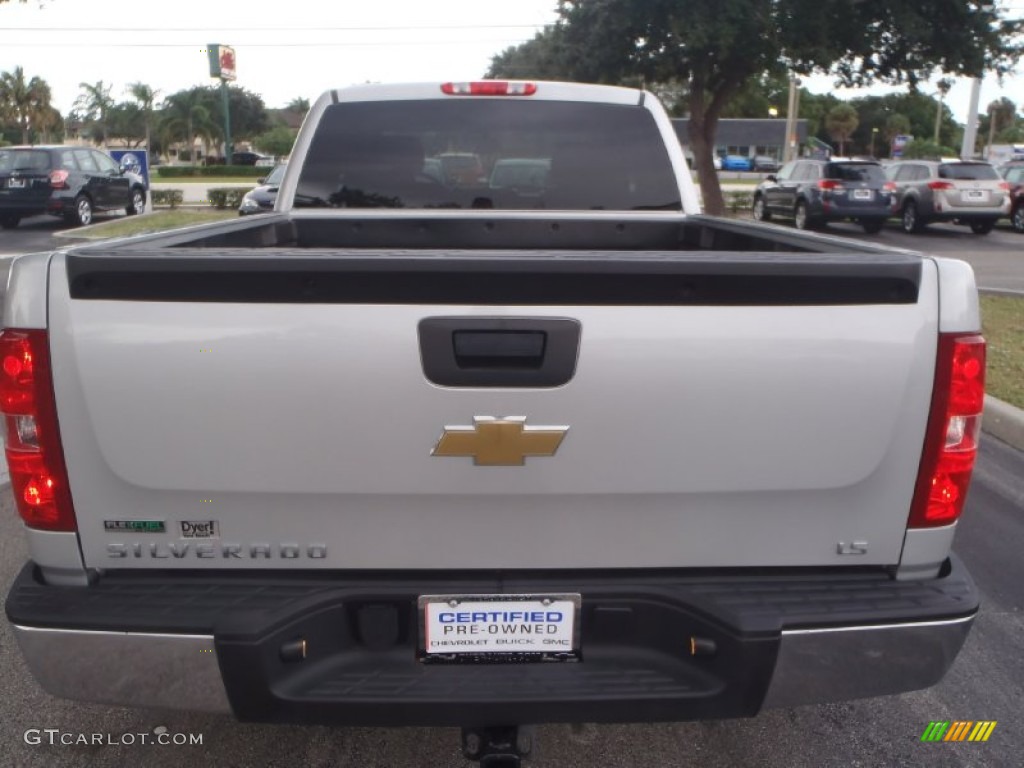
815,192
250,158
1009,164
764,164
736,163
72,182
262,198
1013,172
961,191
462,169
521,174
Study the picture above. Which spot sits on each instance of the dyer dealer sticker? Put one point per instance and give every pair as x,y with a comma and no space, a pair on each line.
199,529
499,624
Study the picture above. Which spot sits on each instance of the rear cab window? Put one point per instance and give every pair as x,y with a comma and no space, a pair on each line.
489,154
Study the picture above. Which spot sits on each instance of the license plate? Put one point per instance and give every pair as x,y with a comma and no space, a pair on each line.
15,183
975,195
863,194
499,627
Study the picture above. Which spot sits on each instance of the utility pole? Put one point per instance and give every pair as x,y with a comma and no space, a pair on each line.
789,149
222,66
991,128
944,86
971,132
228,149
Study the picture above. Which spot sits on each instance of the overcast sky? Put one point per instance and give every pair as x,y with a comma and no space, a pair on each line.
290,48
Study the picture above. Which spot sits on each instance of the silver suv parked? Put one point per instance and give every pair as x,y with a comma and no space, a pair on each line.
964,192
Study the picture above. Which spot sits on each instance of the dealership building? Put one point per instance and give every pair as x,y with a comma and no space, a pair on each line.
746,137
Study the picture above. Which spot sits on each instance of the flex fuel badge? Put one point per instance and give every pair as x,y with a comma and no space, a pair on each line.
135,526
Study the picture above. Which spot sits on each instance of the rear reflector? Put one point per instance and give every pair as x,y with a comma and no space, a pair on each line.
39,478
489,88
954,425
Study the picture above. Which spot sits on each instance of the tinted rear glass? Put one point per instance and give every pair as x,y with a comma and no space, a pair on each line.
400,155
855,172
24,160
968,172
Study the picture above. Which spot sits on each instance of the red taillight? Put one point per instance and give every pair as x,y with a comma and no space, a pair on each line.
1004,185
954,424
889,186
34,457
59,179
489,88
830,184
940,185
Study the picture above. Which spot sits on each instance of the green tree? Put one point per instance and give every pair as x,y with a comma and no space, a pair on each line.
298,104
760,93
25,102
93,106
186,117
144,99
542,58
718,47
813,108
926,149
126,121
277,141
248,112
840,122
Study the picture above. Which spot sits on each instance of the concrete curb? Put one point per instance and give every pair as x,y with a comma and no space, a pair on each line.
76,233
1004,421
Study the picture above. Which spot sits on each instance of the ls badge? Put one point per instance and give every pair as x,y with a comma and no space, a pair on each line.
492,442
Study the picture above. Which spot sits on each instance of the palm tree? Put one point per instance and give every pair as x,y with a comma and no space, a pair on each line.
840,122
94,105
185,113
144,97
26,103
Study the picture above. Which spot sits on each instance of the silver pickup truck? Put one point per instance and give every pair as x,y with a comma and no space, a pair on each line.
434,445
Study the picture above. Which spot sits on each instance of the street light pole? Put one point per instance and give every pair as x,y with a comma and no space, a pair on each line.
874,132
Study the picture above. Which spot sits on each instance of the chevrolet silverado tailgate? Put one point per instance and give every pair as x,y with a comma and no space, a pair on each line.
284,410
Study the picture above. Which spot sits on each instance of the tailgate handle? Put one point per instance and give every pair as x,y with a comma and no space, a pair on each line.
499,351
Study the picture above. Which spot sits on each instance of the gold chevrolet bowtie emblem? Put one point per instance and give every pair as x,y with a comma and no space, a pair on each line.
499,442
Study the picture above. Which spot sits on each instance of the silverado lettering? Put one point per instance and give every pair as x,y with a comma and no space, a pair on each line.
204,550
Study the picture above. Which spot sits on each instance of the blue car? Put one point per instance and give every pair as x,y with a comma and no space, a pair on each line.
735,163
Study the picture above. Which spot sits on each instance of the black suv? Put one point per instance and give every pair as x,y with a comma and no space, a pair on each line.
64,181
814,192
